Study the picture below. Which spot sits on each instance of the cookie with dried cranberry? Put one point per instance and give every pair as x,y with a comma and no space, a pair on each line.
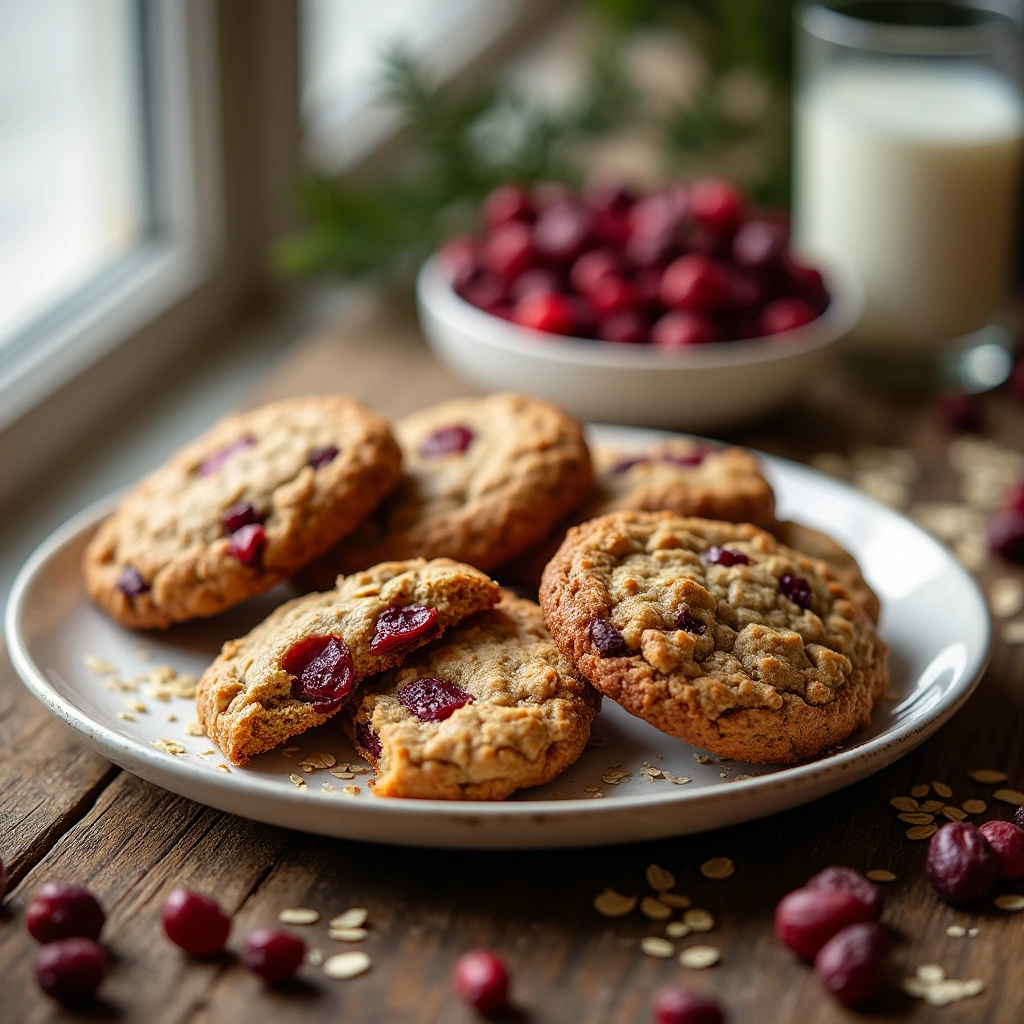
715,633
241,508
303,662
491,708
483,479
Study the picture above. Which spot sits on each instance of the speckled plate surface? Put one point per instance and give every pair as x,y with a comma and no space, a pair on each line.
52,628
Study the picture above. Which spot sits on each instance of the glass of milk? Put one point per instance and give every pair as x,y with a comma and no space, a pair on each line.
909,127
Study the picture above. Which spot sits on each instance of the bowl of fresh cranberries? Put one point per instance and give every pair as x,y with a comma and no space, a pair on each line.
680,307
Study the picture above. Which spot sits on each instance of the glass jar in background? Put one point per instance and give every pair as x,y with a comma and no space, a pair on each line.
909,149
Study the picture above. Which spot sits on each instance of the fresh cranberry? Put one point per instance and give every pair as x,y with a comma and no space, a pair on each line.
1005,530
853,964
1007,842
433,700
401,629
806,283
71,970
786,315
322,667
626,328
537,279
716,205
483,290
247,544
481,981
960,412
505,203
459,257
723,556
797,589
509,250
446,441
806,919
960,863
131,583
674,1004
212,463
1018,816
552,314
689,624
695,283
1015,498
612,229
195,923
62,911
747,295
320,457
850,881
606,638
647,286
608,197
611,294
238,515
563,231
680,329
758,244
368,739
591,267
652,250
658,213
274,955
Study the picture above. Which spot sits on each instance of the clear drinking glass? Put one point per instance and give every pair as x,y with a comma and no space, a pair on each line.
909,122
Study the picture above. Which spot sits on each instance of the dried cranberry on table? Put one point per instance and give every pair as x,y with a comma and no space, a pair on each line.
62,911
71,970
1007,842
850,881
195,923
274,955
674,1004
1005,532
853,964
247,544
960,864
482,981
806,919
960,412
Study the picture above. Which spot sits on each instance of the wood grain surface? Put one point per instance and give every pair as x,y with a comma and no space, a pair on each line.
65,813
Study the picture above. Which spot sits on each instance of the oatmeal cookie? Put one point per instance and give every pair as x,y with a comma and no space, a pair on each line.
714,633
300,665
492,708
483,479
241,508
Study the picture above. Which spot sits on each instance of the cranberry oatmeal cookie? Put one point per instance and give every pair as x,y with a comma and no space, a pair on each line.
483,479
714,633
492,708
300,665
241,508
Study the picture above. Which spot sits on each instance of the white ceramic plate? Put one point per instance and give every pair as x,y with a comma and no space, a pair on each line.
933,617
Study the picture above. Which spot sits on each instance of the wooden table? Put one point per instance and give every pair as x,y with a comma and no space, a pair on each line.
65,813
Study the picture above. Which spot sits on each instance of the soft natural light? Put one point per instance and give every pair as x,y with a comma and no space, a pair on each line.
70,153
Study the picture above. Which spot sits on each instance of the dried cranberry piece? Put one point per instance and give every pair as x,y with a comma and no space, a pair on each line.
1015,498
62,911
433,700
606,638
853,964
806,919
797,589
850,881
322,666
320,457
72,970
674,1004
683,460
960,863
275,956
723,556
368,739
446,441
247,544
131,583
1007,842
481,981
685,621
195,923
401,629
238,515
213,462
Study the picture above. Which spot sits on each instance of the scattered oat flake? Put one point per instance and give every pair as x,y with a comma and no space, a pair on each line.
653,908
173,718
698,920
354,917
987,776
941,789
673,899
677,929
677,780
717,868
169,746
954,813
956,931
904,803
931,806
659,878
99,666
142,653
359,769
1010,901
653,945
930,974
1013,632
317,760
343,966
193,728
290,751
1009,796
920,790
702,758
350,790
126,715
952,991
348,934
298,780
922,831
975,806
344,775
699,957
299,915
327,787
916,818
1006,596
134,704
881,875
610,903
223,767
973,932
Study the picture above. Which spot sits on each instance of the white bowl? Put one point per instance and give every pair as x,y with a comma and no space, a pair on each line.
705,388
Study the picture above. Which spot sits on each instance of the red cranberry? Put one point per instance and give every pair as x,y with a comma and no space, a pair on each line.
689,624
758,244
320,457
538,279
483,290
696,283
481,981
505,203
960,863
509,250
71,970
219,458
608,197
681,330
806,283
1007,842
238,515
747,296
433,700
852,882
591,267
658,213
786,315
131,583
652,250
62,911
647,285
275,956
447,441
797,589
322,666
1018,817
368,739
612,229
552,314
674,1004
723,556
1005,531
626,328
247,544
402,629
458,256
716,205
562,232
853,964
1015,497
961,413
606,638
195,923
611,294
806,919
